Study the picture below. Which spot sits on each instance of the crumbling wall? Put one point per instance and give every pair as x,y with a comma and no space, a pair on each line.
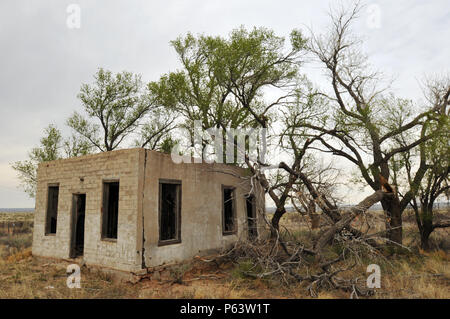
201,207
139,172
85,175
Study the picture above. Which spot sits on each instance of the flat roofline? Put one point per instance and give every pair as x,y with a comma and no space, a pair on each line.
137,149
192,158
94,155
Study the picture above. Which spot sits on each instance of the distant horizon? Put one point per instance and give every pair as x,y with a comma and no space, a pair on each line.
18,209
28,209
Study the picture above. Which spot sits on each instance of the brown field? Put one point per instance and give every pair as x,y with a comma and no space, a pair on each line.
14,217
413,274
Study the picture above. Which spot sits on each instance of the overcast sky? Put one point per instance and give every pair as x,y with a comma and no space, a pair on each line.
43,62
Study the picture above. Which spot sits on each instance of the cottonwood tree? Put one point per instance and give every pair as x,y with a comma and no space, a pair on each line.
223,84
203,90
155,132
48,150
52,147
75,146
433,156
301,173
355,126
115,106
434,184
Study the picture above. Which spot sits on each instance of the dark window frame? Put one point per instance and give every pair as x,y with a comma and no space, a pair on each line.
177,215
233,209
252,221
47,230
103,223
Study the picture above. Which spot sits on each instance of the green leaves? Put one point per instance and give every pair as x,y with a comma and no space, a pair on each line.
49,149
223,79
50,144
298,41
26,172
83,127
114,104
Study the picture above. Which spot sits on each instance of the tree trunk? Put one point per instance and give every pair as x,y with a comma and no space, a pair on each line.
393,219
315,220
347,218
426,216
279,212
424,240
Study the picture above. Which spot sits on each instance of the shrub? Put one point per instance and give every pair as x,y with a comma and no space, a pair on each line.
19,241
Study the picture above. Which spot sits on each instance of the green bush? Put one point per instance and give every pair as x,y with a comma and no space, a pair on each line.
244,269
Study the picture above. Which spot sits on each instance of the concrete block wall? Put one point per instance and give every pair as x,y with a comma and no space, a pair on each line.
123,165
201,207
139,172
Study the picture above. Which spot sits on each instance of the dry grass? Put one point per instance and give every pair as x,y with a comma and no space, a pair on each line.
22,276
426,275
15,217
416,274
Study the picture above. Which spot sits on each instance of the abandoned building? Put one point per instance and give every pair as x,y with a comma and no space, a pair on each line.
135,209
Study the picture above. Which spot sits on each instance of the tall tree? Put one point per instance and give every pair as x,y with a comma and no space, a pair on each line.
434,184
222,80
223,84
115,105
433,156
356,125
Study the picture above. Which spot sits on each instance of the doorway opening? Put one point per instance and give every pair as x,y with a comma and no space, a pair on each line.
78,214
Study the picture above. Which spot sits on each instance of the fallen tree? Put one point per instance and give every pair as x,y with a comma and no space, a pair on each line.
306,262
